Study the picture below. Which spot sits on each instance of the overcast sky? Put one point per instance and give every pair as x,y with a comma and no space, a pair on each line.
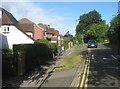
60,15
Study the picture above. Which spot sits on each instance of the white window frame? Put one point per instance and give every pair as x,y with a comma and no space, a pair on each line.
6,30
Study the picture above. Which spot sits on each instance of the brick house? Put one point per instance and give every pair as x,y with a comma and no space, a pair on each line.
51,34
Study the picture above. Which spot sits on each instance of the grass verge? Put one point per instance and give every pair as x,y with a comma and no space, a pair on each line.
71,61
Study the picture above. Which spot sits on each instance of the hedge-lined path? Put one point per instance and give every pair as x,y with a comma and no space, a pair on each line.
49,69
36,79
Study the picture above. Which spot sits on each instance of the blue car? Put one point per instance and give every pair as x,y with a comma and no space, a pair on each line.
92,44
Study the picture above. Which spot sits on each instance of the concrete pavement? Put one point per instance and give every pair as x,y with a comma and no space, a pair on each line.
38,83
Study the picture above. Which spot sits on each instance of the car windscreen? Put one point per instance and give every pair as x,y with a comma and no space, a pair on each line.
91,42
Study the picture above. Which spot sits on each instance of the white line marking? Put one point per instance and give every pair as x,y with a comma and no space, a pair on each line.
92,56
69,53
113,56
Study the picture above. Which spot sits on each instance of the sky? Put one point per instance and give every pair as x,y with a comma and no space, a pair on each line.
62,16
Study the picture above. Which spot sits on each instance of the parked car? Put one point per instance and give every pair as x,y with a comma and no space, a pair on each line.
92,44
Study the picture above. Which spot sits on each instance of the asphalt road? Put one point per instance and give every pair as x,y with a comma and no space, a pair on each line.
104,68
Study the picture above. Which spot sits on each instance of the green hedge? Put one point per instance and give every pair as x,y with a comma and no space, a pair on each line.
8,63
52,46
35,55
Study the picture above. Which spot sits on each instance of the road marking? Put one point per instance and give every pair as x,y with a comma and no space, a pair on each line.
69,53
86,82
85,75
113,56
92,56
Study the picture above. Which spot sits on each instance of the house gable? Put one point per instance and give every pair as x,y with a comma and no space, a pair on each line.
15,35
9,20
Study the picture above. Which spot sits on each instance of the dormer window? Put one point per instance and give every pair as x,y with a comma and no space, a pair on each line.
5,30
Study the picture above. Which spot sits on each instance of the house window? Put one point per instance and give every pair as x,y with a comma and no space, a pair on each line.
8,29
5,30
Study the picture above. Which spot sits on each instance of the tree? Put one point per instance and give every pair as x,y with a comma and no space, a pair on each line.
86,20
114,30
91,26
97,31
67,38
78,37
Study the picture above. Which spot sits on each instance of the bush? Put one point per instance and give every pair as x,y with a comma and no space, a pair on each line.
42,41
65,44
8,63
53,47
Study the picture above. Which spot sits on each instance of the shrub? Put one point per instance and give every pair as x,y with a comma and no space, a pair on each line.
53,47
8,63
42,41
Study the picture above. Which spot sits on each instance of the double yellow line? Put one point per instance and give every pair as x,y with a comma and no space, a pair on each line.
84,79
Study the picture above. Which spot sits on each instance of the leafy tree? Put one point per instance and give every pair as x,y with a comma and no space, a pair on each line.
98,31
114,30
86,20
91,26
78,37
67,38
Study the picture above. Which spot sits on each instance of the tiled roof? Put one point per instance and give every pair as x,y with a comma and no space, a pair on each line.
44,26
7,18
26,25
48,29
56,32
26,21
54,39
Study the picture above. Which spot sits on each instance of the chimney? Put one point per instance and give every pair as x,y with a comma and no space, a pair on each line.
48,26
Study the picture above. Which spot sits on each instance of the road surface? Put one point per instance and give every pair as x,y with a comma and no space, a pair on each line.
104,66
